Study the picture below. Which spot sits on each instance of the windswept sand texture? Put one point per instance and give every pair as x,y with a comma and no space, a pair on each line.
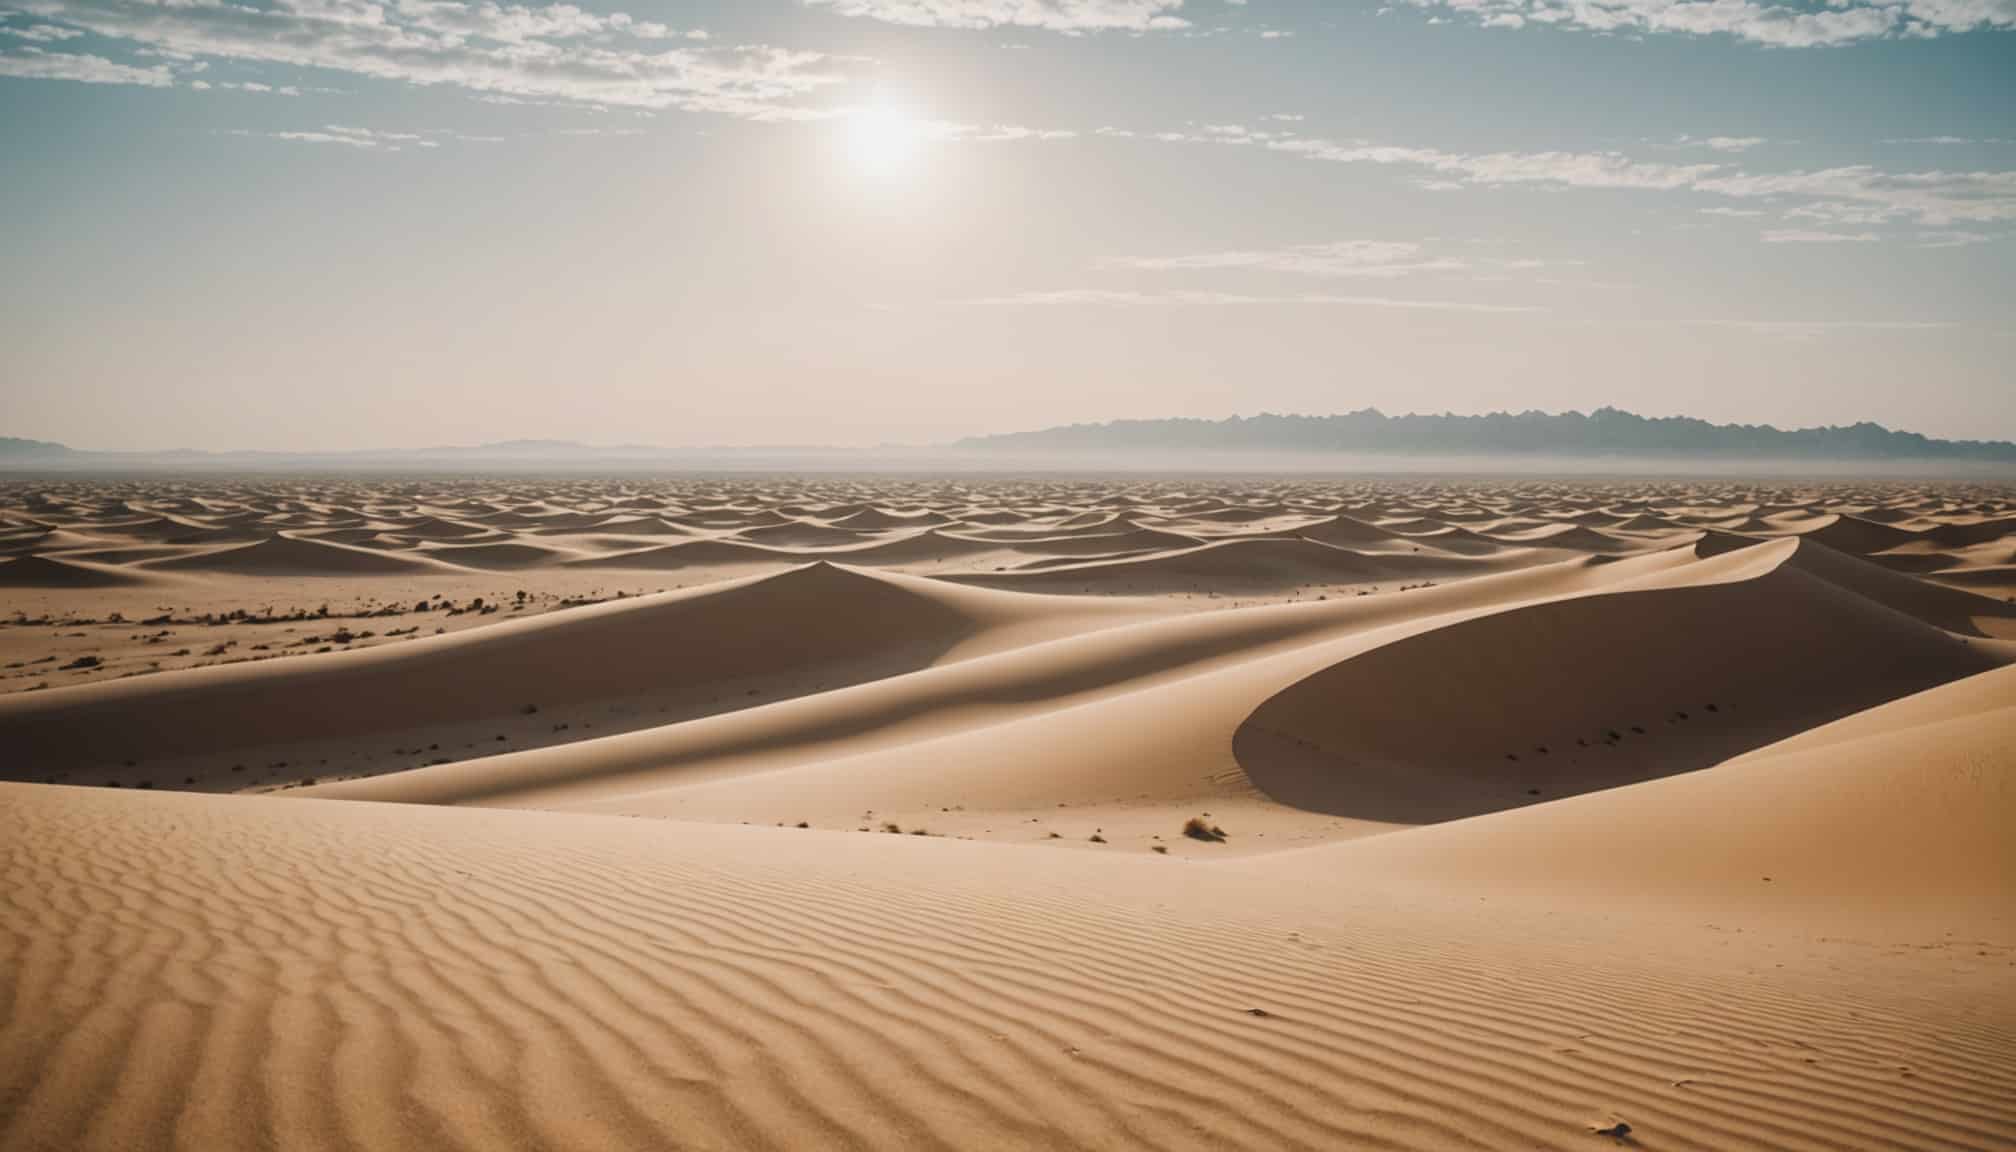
835,812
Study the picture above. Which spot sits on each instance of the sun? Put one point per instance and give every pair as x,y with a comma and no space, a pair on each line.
883,140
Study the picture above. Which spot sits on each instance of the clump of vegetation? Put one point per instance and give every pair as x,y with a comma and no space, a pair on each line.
1096,838
81,662
892,828
1197,828
1159,849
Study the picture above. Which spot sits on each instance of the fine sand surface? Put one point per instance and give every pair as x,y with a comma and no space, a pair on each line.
843,812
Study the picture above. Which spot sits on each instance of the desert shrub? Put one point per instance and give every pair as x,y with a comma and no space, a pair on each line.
1196,828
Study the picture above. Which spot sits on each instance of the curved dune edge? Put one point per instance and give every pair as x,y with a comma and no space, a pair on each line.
1128,708
236,972
1130,723
68,573
1901,812
1580,694
291,556
806,630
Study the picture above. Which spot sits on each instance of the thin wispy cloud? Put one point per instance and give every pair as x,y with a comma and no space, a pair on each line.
1112,298
1775,25
1955,239
1815,329
364,139
33,63
554,51
361,139
1804,236
40,33
1851,194
1336,260
1069,16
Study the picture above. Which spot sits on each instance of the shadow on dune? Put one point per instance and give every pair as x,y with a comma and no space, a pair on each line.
1575,696
727,647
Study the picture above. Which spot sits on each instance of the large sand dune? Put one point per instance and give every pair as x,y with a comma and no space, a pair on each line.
1515,810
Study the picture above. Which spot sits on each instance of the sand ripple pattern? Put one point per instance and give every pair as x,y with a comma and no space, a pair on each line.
203,973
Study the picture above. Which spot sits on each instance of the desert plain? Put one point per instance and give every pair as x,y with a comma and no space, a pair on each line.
730,812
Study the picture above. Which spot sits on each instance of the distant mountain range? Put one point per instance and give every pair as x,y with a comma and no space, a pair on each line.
1606,432
1605,435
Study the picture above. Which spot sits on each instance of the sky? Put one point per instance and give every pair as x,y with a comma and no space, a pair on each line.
327,224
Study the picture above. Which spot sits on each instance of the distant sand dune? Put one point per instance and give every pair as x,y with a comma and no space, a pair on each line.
1235,566
46,572
288,556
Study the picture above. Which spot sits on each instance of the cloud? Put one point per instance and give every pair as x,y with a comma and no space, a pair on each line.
1339,260
1344,259
1802,236
1863,193
1803,330
365,139
1111,298
951,132
362,139
1956,239
41,33
1069,16
35,64
1854,195
1773,24
1573,169
553,51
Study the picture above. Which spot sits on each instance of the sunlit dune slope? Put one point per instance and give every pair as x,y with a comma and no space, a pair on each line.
712,649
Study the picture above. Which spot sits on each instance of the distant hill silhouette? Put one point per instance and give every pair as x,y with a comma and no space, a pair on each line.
15,448
1604,432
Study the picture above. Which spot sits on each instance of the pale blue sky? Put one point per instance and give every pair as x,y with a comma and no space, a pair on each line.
340,223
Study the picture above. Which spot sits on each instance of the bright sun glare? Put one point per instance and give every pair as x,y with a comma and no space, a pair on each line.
883,140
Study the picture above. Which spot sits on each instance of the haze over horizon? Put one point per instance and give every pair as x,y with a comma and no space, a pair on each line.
1605,433
315,224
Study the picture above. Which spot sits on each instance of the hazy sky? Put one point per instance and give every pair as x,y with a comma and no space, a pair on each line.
343,223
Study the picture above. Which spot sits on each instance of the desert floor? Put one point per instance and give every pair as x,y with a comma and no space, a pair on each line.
753,812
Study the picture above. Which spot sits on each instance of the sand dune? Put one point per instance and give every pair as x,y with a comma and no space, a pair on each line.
706,553
49,572
504,555
1574,537
1919,787
1854,535
803,534
1584,694
313,973
1684,803
1235,566
288,556
1347,532
814,628
877,520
